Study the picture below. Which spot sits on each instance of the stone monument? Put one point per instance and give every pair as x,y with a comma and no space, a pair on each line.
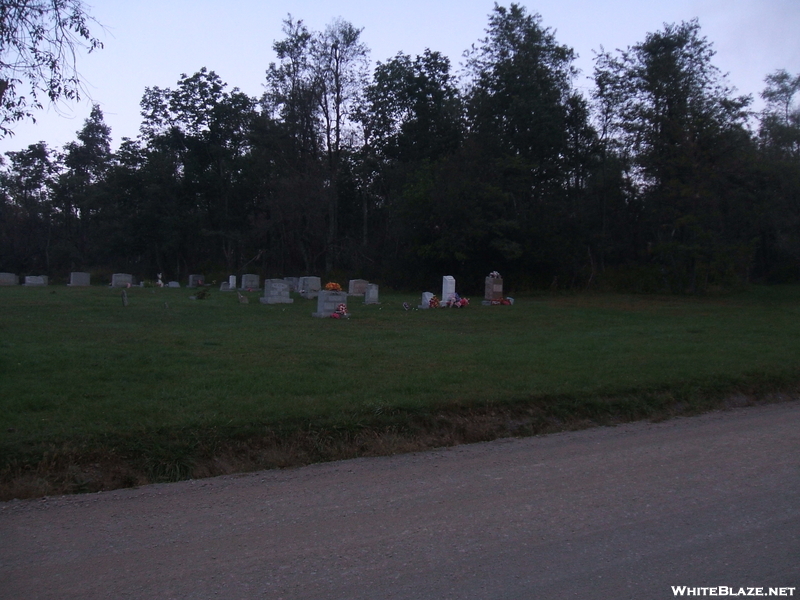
371,294
328,303
276,291
79,279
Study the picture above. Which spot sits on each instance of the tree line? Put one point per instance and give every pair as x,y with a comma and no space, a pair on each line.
661,179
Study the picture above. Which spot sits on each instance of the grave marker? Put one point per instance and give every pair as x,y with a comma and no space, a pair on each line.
194,281
309,287
121,280
493,290
293,283
276,291
371,294
328,303
426,300
9,279
174,284
79,279
35,280
357,287
250,281
448,288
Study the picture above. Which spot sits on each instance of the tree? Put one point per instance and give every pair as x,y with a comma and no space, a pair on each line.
413,109
683,132
780,120
39,44
27,184
779,135
78,191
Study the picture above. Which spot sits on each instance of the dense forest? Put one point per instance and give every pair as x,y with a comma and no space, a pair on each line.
659,180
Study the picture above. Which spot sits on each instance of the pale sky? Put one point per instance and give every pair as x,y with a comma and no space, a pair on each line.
151,43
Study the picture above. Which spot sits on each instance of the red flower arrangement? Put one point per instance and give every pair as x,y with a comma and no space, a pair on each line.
341,311
434,302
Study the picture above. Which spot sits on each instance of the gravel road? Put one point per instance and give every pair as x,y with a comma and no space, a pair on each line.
619,512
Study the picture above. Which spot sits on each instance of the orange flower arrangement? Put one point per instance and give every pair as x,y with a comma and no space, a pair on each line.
332,286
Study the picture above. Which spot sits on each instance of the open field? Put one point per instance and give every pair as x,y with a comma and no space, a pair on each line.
95,395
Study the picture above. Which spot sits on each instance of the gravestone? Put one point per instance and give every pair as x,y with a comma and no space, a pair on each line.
9,279
194,281
357,287
309,287
225,287
121,280
174,284
276,291
78,279
35,280
426,300
371,294
293,283
448,288
328,302
493,290
232,282
250,281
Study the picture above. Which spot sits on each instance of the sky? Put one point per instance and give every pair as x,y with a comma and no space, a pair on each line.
152,42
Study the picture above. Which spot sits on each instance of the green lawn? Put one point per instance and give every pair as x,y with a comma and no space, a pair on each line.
76,365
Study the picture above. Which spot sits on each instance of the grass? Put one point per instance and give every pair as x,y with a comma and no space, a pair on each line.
94,394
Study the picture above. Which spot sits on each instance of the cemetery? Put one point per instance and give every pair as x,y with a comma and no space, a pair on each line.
338,375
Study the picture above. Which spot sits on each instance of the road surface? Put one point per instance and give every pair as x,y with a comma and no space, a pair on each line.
619,512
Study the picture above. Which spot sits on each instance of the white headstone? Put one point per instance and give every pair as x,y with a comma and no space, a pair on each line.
79,279
121,280
426,299
9,279
448,287
371,294
232,282
328,302
174,284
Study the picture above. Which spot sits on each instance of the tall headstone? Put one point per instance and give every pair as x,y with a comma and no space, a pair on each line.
276,291
9,279
195,281
328,303
251,281
493,289
78,279
448,287
35,280
426,300
357,287
309,287
371,294
121,280
232,282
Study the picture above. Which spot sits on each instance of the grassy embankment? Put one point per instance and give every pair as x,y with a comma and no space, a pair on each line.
95,395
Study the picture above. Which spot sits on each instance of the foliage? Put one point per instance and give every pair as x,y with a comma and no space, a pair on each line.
654,182
39,44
